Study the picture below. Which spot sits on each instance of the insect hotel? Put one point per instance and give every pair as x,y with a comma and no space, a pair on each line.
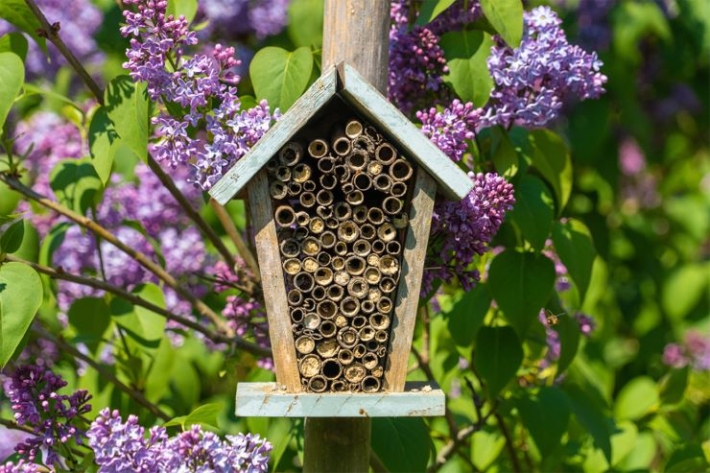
340,194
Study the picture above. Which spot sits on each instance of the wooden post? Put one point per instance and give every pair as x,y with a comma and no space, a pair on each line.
355,31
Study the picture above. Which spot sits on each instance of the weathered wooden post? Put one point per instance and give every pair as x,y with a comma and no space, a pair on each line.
341,192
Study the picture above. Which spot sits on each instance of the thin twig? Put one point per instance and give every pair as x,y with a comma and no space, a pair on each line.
236,341
452,446
236,238
508,442
141,258
11,424
134,394
51,32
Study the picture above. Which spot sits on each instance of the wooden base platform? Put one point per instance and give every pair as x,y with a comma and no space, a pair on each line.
419,399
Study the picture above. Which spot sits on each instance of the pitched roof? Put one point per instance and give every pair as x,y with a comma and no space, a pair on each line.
352,88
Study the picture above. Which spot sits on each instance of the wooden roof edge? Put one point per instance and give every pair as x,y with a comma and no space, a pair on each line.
278,135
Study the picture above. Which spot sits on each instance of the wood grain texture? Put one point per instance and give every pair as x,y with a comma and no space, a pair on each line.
357,32
266,242
410,281
453,182
418,399
298,115
336,445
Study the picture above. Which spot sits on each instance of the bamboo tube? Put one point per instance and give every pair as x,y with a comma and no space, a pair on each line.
324,197
313,334
341,277
328,181
379,321
305,345
381,336
301,173
363,143
338,386
348,231
291,266
341,321
372,275
387,232
393,247
310,264
387,285
291,153
278,190
309,303
342,211
355,372
303,281
328,239
294,189
309,186
366,333
367,306
311,321
318,293
326,309
401,170
310,246
334,292
290,248
382,182
372,133
347,187
349,306
271,165
342,173
357,160
370,360
373,346
370,384
358,322
378,371
302,219
326,165
384,305
323,276
309,366
373,260
362,182
347,338
317,384
359,351
374,294
332,368
283,174
361,247
400,221
327,329
297,314
389,265
285,233
324,211
328,348
378,247
399,189
307,199
345,356
341,146
318,148
317,226
324,258
357,288
355,197
374,168
284,215
367,232
353,128
295,297
341,248
375,216
385,153
355,265
354,387
301,233
360,214
392,205
338,263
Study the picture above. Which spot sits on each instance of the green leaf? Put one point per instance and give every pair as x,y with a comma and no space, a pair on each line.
552,159
205,415
636,399
157,380
31,89
687,458
14,43
12,76
467,315
504,155
122,122
546,416
592,417
533,211
19,14
498,355
672,386
574,245
506,16
281,76
76,184
683,289
144,326
430,9
466,55
402,444
11,239
521,284
90,316
486,445
20,298
305,23
567,329
186,8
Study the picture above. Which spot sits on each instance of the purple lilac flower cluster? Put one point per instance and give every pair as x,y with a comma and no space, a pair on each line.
78,21
562,282
451,128
464,229
230,18
32,391
693,352
533,80
122,446
203,86
19,467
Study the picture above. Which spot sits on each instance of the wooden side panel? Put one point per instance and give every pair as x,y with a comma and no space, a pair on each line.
267,250
298,115
454,183
405,306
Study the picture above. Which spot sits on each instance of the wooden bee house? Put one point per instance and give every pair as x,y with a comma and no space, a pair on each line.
341,193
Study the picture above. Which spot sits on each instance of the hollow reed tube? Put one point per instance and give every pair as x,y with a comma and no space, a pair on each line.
309,366
291,153
392,205
385,153
284,215
369,384
401,170
353,128
318,148
305,344
278,190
